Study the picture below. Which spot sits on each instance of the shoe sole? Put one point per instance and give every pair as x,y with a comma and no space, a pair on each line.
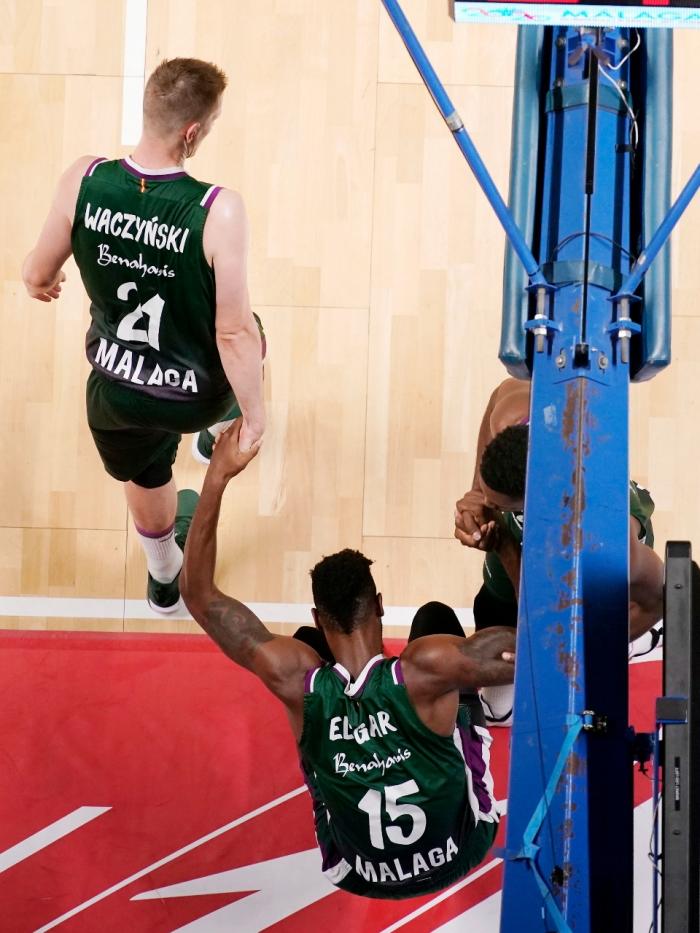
166,610
199,457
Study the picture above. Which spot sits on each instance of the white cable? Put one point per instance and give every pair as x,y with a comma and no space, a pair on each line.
633,129
631,51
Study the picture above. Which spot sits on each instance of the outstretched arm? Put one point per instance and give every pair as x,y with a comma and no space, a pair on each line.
237,335
280,662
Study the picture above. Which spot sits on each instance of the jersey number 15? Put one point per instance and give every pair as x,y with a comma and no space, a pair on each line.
371,804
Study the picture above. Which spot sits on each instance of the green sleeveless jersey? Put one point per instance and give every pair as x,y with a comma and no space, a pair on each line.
137,240
399,810
497,580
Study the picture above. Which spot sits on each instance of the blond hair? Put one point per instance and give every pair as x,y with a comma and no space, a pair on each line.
181,91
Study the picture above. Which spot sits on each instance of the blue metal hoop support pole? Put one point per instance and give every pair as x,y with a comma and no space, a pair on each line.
663,232
454,122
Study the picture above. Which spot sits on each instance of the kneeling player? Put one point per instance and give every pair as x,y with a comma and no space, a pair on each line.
397,766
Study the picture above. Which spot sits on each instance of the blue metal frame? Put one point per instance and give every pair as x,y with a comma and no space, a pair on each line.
570,789
572,625
658,240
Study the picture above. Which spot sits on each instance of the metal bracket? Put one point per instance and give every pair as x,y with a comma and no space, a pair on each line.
623,328
592,722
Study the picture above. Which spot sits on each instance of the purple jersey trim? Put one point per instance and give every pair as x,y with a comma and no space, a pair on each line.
211,197
165,176
356,688
398,672
472,749
308,677
93,165
341,674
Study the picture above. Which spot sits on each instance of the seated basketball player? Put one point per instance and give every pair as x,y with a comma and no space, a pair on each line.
492,510
397,770
172,337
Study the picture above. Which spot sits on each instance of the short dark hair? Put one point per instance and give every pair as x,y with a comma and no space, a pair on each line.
182,91
343,588
504,461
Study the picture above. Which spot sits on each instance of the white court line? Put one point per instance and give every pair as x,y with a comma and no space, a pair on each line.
443,896
50,834
136,17
170,858
292,614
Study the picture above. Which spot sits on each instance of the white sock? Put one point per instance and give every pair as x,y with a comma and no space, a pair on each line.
163,556
498,705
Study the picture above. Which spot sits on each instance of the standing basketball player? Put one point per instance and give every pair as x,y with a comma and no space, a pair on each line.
172,337
397,767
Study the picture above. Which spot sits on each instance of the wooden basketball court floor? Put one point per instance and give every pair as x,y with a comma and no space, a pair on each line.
375,265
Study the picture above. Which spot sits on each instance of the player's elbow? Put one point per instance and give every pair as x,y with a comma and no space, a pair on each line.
32,275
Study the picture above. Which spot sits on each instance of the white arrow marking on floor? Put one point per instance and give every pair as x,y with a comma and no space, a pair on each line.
281,887
48,835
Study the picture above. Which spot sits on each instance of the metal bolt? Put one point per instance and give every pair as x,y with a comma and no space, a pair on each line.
603,361
561,41
623,85
622,43
678,586
559,82
561,360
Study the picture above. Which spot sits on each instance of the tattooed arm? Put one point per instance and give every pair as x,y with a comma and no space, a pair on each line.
279,661
436,667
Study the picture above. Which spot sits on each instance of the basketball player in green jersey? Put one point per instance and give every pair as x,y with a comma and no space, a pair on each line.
397,770
172,336
492,510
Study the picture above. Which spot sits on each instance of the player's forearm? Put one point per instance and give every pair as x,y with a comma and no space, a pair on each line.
241,357
197,578
484,652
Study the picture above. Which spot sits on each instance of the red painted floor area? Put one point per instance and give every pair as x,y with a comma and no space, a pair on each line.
149,785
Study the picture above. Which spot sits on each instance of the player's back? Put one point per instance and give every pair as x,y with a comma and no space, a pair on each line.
138,241
399,810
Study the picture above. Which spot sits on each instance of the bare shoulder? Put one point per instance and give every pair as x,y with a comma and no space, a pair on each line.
512,404
75,172
228,208
69,184
426,659
226,226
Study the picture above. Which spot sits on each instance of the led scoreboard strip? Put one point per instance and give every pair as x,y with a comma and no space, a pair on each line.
642,14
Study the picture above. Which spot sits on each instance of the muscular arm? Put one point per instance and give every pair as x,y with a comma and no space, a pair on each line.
646,584
280,662
237,335
42,269
436,667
